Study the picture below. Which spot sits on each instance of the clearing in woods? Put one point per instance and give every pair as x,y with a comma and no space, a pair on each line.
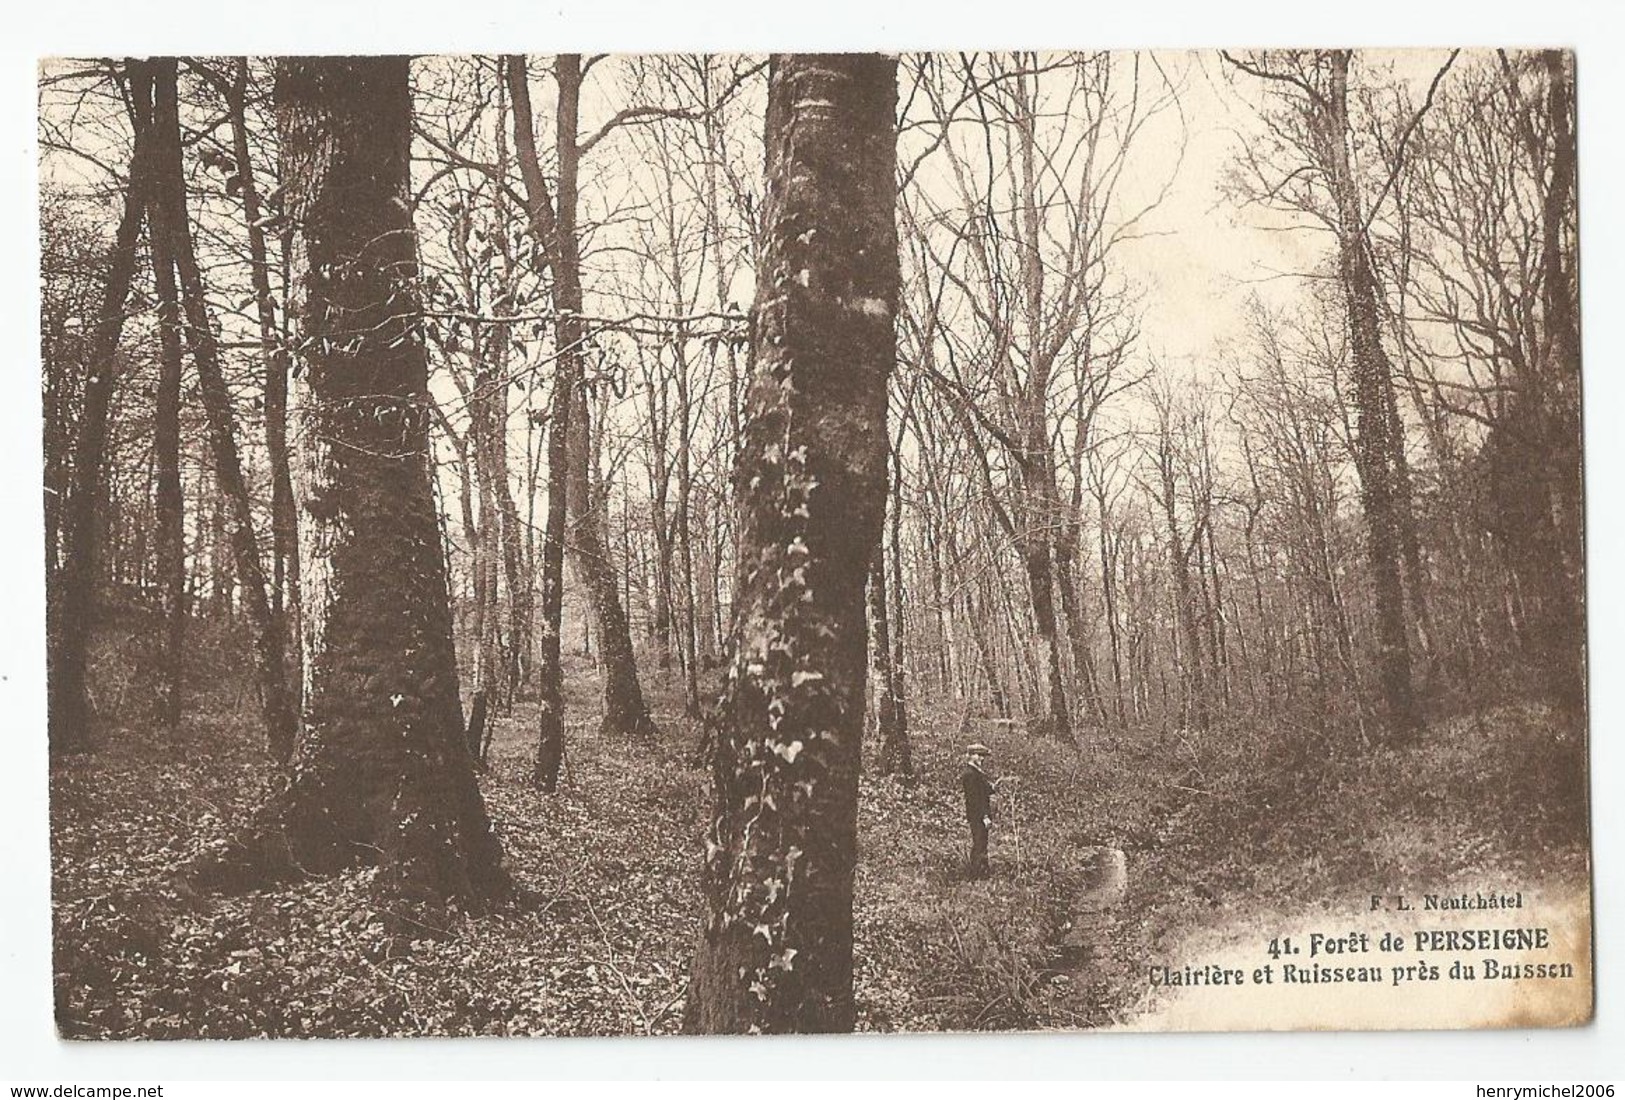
599,941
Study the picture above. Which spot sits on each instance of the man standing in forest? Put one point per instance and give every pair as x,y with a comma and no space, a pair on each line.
978,805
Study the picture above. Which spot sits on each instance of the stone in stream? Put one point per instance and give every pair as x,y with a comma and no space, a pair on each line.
1105,879
1105,882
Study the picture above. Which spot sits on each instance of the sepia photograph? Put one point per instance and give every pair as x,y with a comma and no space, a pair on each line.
692,543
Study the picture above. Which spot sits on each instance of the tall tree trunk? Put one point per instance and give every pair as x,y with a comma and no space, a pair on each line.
71,600
381,774
284,519
1566,630
982,620
1542,464
781,847
270,649
660,622
166,446
685,535
896,750
886,645
1036,558
1192,679
549,756
880,654
625,711
1374,445
487,629
1083,658
1110,551
517,585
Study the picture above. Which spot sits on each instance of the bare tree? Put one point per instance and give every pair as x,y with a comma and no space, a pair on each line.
72,600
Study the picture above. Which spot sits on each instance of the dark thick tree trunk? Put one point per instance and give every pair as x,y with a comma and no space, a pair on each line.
381,774
1565,628
1536,455
71,600
1035,543
1083,658
1035,556
1380,492
270,646
781,846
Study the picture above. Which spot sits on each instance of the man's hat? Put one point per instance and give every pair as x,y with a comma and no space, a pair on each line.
978,749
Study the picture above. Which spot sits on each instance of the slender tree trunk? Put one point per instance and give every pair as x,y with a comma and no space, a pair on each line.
487,628
685,537
170,540
1192,679
284,519
625,712
896,750
659,483
166,447
71,600
1083,658
980,626
885,704
549,757
781,847
270,649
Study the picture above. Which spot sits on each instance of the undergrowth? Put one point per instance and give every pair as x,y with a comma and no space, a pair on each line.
609,909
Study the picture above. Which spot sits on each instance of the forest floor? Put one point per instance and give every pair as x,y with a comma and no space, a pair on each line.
1211,824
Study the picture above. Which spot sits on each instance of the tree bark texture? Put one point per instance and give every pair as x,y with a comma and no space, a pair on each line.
1380,491
381,774
781,846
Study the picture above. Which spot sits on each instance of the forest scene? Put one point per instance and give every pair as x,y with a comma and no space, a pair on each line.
550,545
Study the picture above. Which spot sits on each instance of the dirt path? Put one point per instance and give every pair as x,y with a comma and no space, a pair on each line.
1238,946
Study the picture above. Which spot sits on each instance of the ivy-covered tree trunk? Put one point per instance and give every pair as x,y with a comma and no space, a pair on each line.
381,774
1375,442
781,845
